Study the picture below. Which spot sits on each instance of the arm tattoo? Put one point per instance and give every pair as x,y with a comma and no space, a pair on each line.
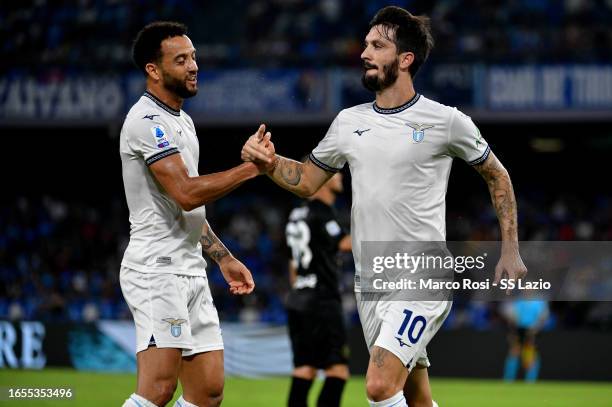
502,195
291,171
212,246
378,356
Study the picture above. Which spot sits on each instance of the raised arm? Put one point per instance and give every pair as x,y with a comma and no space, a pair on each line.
502,196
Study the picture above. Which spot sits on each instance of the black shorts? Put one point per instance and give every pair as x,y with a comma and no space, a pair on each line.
318,335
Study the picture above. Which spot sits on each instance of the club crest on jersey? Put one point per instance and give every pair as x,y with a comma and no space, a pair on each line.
175,325
418,130
159,134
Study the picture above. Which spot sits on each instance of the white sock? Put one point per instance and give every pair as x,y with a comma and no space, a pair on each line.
396,401
434,403
181,402
137,401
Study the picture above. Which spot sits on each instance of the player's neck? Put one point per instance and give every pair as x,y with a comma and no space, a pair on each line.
164,95
396,95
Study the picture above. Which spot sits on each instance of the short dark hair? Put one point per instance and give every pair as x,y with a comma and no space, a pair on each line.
147,45
412,33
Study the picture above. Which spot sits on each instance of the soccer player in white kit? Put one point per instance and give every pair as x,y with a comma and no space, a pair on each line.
163,273
399,150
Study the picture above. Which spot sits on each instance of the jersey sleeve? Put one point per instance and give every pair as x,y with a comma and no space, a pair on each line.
150,140
465,140
327,155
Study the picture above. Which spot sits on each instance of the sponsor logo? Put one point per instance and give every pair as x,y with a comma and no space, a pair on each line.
175,325
150,116
418,130
402,343
360,132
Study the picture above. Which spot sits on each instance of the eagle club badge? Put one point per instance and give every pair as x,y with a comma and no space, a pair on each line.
418,130
175,326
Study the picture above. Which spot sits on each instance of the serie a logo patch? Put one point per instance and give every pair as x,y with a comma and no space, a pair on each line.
159,134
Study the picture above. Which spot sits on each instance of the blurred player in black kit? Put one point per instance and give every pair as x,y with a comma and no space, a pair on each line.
316,325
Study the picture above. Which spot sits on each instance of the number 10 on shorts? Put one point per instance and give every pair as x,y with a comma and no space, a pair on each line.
415,326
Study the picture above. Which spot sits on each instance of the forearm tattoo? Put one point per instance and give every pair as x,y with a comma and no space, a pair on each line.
502,195
212,246
290,171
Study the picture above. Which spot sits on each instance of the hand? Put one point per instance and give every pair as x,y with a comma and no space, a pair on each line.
510,263
237,276
259,149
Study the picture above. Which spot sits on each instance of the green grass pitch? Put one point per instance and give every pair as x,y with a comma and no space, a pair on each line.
93,389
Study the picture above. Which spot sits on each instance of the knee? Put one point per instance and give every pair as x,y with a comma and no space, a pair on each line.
212,396
378,389
215,399
164,391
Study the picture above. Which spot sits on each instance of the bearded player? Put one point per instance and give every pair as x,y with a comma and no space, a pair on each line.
399,150
163,274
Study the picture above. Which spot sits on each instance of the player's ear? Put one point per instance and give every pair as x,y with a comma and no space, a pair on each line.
405,60
153,71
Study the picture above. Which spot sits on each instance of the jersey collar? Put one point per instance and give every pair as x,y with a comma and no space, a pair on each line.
162,104
398,109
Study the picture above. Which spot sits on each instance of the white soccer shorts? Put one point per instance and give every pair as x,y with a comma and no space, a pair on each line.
172,311
404,328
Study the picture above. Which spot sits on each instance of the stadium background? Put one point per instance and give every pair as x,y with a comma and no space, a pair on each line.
536,76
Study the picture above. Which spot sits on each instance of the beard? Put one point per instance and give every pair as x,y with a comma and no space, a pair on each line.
375,83
178,86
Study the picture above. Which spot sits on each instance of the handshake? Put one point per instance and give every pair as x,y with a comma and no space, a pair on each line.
259,149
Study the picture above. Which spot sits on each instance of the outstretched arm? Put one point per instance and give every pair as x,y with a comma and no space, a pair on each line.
504,201
303,179
236,274
191,192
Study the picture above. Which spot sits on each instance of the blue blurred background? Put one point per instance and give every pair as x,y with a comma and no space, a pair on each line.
536,76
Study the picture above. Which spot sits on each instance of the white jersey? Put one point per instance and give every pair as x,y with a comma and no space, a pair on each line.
163,237
400,160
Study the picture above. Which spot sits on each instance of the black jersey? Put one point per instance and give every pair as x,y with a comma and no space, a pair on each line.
313,234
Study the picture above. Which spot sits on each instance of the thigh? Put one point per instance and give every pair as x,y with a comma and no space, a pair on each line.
386,369
203,318
157,369
202,377
417,389
332,344
302,336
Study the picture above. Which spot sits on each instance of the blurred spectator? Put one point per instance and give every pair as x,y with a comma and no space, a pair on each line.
59,260
41,35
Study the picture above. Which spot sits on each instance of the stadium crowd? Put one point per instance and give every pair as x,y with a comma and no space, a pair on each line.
43,35
59,260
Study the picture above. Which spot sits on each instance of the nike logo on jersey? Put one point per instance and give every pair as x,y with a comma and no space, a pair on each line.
150,116
360,132
402,343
